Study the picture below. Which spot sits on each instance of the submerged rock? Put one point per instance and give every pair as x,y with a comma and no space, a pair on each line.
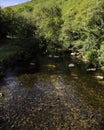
52,66
55,56
32,64
50,56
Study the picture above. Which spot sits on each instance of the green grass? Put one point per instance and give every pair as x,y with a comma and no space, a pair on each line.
7,48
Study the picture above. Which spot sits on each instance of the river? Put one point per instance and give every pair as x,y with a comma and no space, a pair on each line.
53,98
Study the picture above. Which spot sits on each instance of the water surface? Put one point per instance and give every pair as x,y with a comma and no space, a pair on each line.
54,98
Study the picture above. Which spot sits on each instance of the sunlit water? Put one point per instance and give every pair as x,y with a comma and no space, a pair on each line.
54,98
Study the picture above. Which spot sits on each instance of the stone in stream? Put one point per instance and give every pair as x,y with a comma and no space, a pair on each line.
50,56
71,65
55,56
32,64
73,54
91,69
51,66
100,77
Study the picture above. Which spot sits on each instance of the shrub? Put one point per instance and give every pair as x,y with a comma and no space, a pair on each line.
92,56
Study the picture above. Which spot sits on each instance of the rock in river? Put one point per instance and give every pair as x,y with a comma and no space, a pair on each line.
55,56
91,69
100,77
71,65
32,64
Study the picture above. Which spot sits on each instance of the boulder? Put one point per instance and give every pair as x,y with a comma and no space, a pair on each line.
71,65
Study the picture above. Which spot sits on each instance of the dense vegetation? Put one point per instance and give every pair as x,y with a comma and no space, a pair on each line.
62,23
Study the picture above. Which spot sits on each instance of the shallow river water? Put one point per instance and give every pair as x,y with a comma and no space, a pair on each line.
53,98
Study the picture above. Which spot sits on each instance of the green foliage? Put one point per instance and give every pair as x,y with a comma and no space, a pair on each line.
61,23
49,23
8,48
92,56
24,28
90,43
14,25
101,54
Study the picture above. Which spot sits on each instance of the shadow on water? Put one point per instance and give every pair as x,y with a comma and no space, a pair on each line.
54,97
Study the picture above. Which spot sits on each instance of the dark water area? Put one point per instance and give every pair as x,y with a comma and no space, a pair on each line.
55,97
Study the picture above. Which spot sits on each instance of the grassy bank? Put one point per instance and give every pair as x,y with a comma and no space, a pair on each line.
7,48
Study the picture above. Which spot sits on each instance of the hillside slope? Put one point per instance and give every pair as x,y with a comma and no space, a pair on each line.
69,23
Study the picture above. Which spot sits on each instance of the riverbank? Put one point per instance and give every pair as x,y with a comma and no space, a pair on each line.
8,47
17,52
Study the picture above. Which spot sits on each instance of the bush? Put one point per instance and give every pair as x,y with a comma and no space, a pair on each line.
101,54
92,57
